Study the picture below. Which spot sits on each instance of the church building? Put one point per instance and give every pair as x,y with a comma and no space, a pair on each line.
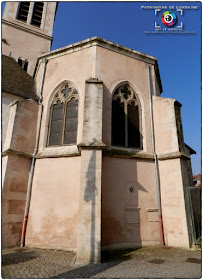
93,157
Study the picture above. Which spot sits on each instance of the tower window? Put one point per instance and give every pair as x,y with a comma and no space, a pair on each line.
23,11
37,13
126,118
63,117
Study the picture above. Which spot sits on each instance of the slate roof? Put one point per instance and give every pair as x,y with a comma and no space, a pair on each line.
17,81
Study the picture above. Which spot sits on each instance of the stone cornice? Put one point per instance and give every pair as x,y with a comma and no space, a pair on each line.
56,152
16,153
27,29
128,154
143,155
92,145
172,156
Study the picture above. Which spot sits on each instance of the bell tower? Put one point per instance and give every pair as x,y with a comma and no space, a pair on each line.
27,31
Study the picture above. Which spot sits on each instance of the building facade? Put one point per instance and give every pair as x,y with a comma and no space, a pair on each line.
102,143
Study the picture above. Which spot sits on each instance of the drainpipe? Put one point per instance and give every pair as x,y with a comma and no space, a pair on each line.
33,158
156,163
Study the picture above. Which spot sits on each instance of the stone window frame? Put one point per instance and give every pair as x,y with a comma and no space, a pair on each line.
30,13
140,106
59,96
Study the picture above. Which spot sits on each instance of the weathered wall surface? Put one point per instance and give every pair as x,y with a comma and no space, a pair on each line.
53,214
89,222
7,99
173,179
13,199
19,139
128,218
166,140
25,126
173,203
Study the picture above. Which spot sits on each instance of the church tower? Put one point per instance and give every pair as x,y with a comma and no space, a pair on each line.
27,31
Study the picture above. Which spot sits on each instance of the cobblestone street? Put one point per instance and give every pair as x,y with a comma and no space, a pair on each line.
151,262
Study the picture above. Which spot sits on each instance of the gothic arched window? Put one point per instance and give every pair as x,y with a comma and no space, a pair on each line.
126,118
63,120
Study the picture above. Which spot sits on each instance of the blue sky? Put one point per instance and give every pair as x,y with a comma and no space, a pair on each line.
179,55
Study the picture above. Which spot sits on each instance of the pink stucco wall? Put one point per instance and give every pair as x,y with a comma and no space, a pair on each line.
119,205
55,201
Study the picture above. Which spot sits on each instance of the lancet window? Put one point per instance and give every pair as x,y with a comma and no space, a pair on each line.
126,118
63,120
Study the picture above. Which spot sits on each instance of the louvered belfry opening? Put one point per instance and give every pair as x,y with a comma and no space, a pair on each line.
37,14
63,121
126,118
23,11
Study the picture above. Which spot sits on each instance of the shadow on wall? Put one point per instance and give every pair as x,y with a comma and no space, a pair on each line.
121,217
90,196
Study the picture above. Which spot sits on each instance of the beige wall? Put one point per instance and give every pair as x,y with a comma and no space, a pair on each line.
128,219
54,205
25,127
7,99
173,203
166,139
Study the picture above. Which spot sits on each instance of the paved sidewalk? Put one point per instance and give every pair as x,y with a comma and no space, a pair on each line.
148,262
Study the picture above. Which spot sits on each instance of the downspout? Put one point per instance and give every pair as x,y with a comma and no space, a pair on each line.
156,163
33,158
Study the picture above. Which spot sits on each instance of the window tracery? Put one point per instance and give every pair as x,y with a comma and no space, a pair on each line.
63,117
126,118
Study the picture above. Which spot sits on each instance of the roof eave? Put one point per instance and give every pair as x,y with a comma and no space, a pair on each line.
97,41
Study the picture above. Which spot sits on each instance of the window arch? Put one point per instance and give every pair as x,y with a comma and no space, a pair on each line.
126,118
63,119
